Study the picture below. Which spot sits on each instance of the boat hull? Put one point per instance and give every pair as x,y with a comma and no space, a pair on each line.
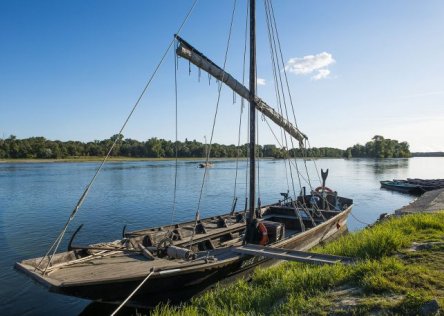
180,284
402,187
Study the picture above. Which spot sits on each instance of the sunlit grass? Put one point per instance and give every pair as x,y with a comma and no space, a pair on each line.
391,236
385,270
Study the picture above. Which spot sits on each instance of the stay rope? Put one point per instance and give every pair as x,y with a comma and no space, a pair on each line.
304,149
197,215
173,212
58,240
241,108
280,96
277,61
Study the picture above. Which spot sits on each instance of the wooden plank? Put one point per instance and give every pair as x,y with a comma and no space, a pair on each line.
291,255
212,233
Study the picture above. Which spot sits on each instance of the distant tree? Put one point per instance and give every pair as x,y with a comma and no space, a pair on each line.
379,147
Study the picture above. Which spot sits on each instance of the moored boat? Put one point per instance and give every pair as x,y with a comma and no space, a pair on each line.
184,255
413,186
402,186
202,251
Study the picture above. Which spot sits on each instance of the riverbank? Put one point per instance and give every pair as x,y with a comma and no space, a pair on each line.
431,201
400,271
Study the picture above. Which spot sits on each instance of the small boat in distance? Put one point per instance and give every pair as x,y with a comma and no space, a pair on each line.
204,250
206,165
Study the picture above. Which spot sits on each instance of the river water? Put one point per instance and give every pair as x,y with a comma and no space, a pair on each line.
37,198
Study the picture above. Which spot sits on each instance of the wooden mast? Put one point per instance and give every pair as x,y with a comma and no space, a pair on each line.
191,54
252,146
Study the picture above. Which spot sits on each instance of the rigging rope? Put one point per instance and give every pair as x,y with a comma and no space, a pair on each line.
258,160
280,95
304,149
277,59
242,106
176,132
197,215
58,240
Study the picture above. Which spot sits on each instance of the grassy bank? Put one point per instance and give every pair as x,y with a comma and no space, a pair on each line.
390,277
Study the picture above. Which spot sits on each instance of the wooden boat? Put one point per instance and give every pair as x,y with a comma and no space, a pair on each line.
206,165
203,251
110,271
413,186
401,186
427,184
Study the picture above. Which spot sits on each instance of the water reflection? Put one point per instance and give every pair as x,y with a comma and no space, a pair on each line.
381,166
175,298
95,308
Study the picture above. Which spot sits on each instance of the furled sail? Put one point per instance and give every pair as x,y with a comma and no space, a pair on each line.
188,52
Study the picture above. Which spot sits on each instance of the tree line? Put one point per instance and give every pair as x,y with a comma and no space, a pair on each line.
42,148
379,147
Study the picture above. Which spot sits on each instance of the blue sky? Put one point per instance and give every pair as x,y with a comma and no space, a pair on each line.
72,70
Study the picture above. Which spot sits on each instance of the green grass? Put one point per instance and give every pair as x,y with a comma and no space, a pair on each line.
387,277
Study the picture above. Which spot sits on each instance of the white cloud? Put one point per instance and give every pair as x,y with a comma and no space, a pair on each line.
322,73
261,81
315,65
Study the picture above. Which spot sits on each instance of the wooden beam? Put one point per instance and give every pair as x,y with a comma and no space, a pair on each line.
188,52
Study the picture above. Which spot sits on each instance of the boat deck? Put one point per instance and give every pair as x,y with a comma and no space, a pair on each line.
210,244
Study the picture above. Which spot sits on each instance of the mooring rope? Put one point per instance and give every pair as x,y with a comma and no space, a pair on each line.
358,220
132,293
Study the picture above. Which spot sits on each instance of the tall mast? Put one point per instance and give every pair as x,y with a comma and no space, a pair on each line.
252,117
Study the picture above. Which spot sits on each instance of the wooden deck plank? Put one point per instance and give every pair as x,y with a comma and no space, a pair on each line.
291,255
105,268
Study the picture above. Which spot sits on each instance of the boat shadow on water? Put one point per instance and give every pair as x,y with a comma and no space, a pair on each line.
177,298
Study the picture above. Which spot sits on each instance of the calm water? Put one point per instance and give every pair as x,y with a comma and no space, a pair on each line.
36,199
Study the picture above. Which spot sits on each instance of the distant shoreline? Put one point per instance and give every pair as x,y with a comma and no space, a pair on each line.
99,159
196,159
